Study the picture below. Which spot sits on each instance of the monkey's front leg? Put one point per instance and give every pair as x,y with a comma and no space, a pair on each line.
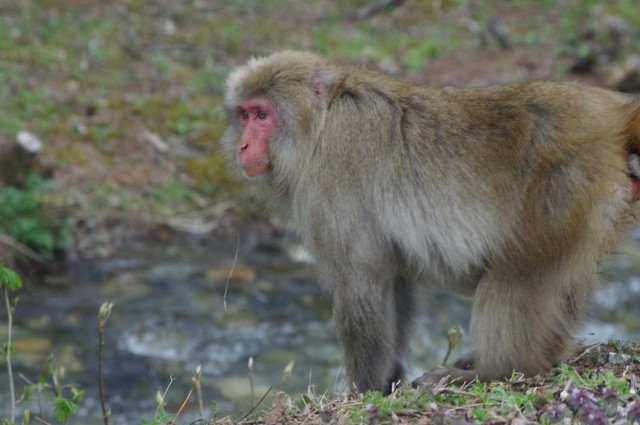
365,317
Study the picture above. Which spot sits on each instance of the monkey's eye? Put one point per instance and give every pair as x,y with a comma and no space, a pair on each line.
244,115
262,115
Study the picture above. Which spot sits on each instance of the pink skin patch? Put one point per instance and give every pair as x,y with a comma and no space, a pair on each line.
257,117
635,188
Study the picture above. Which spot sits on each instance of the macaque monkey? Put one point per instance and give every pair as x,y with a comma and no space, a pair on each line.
511,194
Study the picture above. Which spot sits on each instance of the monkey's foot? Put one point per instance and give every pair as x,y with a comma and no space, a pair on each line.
467,362
444,376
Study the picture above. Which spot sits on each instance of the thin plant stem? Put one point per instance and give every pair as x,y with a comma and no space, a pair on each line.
38,394
250,366
199,390
224,296
103,316
105,412
12,390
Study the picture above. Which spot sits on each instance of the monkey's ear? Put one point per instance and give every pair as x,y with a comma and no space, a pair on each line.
323,83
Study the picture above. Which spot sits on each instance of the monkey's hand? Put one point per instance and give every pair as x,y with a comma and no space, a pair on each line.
445,376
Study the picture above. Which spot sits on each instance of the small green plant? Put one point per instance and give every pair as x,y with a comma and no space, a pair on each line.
65,396
378,407
161,417
23,217
616,344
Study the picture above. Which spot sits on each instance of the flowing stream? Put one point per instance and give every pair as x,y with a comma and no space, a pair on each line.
169,317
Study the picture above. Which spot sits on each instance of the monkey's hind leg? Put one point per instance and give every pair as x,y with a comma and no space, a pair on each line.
524,320
521,321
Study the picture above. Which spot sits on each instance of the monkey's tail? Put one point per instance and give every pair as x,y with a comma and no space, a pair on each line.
632,133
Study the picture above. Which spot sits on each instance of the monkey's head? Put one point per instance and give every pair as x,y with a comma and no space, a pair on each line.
276,106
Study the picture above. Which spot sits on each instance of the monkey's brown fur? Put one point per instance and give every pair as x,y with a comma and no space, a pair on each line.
512,194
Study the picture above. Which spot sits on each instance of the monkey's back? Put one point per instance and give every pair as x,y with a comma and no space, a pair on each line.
520,158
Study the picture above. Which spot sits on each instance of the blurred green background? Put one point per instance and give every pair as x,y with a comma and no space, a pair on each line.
125,96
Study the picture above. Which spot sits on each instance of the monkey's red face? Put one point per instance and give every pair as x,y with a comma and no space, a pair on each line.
257,117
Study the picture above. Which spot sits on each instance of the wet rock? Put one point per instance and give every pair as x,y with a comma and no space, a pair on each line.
63,281
68,358
33,344
125,286
279,356
617,358
32,351
238,273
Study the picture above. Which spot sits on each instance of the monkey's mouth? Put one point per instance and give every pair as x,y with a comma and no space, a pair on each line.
257,168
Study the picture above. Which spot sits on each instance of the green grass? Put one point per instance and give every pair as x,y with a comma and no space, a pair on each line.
587,396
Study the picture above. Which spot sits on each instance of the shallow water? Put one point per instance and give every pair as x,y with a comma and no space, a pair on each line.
169,317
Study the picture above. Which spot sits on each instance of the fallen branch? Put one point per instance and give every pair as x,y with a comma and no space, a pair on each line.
21,248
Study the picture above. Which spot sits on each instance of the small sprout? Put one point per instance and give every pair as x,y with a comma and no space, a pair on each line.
159,397
250,366
26,417
289,368
453,335
58,373
104,313
285,374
